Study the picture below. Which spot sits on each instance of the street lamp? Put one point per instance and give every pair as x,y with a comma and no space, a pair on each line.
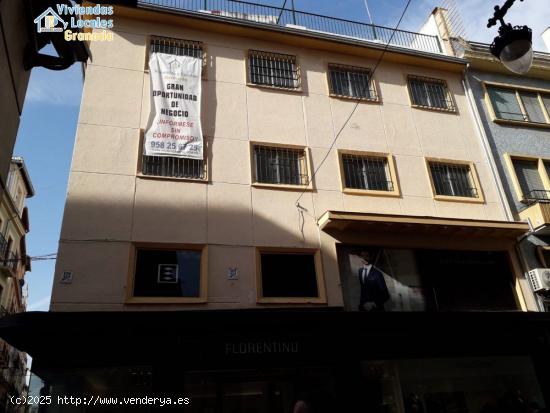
514,45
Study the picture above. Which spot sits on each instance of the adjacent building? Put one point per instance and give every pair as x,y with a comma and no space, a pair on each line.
343,242
513,115
14,263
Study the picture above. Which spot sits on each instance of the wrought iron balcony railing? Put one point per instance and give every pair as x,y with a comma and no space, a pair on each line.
535,196
314,23
10,260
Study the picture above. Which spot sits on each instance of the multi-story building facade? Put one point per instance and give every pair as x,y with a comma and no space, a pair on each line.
513,115
14,263
340,172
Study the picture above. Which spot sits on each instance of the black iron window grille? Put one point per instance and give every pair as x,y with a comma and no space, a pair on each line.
273,69
351,82
519,105
430,93
170,166
283,166
367,172
453,180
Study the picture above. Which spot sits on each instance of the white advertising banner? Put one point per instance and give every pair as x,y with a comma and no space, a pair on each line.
175,120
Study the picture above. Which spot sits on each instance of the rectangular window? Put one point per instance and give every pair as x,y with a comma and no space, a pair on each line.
163,273
529,179
366,172
171,166
453,180
289,275
281,166
352,82
430,93
519,105
273,69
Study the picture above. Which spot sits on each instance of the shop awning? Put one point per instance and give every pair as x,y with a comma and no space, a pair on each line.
396,224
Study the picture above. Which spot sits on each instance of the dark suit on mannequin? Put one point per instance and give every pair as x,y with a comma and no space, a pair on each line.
373,288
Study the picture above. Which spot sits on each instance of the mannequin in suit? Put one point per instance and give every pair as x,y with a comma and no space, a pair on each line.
373,286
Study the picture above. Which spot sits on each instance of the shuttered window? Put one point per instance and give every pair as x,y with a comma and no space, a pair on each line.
530,181
273,69
505,104
430,93
281,166
366,172
170,166
453,180
533,107
352,82
519,105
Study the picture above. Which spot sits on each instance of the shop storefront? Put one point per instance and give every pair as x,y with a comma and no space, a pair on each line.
270,361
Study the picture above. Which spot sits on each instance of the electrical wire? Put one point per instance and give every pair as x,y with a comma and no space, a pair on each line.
356,103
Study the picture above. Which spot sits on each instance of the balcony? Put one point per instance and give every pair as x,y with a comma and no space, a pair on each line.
9,262
537,210
294,19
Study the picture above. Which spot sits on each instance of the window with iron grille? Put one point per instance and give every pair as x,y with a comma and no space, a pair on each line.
453,180
430,93
273,69
367,172
519,105
284,166
170,166
352,82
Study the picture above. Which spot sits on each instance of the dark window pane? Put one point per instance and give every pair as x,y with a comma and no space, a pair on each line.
533,107
505,104
453,180
365,172
164,273
288,275
280,165
530,181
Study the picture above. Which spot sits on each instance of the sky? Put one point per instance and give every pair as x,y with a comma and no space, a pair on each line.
47,130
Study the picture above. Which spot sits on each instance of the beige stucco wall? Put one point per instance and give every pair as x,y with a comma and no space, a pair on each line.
13,77
109,207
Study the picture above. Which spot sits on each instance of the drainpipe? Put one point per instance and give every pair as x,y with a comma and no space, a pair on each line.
488,153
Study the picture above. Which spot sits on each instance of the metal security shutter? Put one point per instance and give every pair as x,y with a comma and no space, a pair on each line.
532,106
529,178
505,103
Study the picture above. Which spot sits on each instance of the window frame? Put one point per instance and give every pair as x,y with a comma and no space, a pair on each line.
201,299
306,162
319,274
372,83
203,47
517,89
509,160
480,199
206,166
297,89
450,96
392,170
